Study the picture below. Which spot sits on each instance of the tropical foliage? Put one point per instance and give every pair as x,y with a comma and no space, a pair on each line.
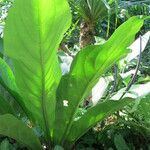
42,108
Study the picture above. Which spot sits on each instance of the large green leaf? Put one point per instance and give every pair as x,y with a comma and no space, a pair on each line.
16,129
94,115
5,107
89,64
33,32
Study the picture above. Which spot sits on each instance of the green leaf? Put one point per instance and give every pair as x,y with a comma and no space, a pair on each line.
33,32
5,107
92,10
1,48
120,143
57,147
88,66
142,109
8,82
7,79
14,128
94,115
4,145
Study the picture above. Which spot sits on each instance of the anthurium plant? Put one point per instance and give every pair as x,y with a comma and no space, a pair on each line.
34,29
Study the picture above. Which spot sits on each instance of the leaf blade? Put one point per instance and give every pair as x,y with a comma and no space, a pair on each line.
39,29
23,134
7,79
94,115
5,107
86,69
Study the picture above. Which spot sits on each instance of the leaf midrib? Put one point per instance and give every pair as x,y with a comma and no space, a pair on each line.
42,67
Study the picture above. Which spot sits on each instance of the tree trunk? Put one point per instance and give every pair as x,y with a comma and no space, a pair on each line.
86,34
87,31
